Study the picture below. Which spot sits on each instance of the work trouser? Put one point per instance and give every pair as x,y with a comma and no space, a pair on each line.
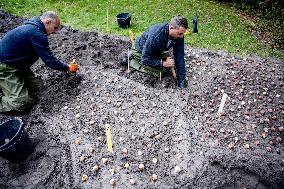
14,85
135,63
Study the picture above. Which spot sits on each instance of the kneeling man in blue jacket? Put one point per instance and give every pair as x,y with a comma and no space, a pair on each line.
150,54
20,48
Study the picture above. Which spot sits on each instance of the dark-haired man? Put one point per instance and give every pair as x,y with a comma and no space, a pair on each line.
150,52
20,48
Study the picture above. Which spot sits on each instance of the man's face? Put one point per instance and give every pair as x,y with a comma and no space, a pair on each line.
52,26
176,32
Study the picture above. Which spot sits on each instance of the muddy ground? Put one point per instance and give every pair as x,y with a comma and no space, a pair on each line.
178,137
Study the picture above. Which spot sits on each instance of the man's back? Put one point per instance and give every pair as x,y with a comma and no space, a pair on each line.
157,34
22,46
17,47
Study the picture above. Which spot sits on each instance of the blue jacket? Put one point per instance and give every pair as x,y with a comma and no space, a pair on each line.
154,41
22,46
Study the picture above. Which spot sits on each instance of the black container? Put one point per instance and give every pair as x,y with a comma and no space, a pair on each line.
123,20
15,144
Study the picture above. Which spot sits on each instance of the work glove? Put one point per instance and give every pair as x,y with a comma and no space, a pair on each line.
73,67
182,82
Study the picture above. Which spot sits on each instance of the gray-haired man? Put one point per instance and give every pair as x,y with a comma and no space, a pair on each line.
20,49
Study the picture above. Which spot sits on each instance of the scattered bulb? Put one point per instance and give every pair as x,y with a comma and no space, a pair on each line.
154,160
126,165
112,171
154,177
141,166
140,153
124,150
82,158
177,169
104,160
95,168
78,141
85,178
91,149
132,181
112,182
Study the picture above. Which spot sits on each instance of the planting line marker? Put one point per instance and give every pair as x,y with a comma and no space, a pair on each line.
109,141
131,36
221,107
128,66
174,72
100,52
107,20
161,72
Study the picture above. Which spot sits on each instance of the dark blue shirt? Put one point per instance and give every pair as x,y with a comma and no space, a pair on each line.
154,42
22,46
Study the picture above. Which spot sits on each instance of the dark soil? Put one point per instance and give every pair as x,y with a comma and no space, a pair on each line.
242,148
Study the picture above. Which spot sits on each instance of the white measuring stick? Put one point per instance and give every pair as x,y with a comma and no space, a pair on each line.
221,107
107,20
128,66
174,72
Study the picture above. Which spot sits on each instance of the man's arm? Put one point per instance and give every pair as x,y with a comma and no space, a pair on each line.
178,51
41,45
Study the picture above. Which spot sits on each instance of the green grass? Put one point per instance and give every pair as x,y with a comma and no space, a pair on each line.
220,26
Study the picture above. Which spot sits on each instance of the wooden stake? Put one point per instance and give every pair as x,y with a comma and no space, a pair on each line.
107,20
101,52
131,36
161,72
221,107
108,137
174,72
128,63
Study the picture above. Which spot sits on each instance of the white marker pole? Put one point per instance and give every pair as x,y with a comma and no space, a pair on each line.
221,107
107,20
161,72
128,66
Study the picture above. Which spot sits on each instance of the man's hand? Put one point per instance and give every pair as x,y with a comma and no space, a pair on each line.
169,62
73,67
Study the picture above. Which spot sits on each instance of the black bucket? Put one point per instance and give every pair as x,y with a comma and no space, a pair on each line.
123,20
15,144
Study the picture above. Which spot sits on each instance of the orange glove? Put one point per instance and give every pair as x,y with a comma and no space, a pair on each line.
73,67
